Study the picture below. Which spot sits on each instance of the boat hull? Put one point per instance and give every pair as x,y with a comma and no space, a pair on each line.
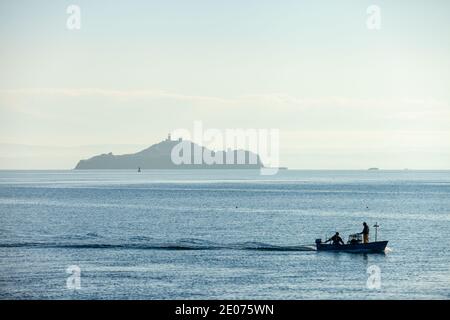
371,247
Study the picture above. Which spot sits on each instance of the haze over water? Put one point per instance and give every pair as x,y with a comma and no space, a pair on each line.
213,234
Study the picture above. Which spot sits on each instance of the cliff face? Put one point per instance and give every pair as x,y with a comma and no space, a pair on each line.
158,156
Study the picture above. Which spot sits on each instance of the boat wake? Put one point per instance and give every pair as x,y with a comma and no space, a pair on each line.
91,241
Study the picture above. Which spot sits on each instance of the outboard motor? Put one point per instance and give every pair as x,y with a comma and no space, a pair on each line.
318,241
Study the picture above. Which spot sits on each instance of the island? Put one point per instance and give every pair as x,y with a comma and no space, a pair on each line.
160,156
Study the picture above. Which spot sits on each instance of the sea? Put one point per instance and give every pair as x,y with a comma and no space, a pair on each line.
222,234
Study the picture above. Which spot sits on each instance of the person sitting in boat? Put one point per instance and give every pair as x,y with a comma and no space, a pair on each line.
365,233
337,240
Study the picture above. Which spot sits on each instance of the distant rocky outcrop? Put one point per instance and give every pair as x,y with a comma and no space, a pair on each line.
159,156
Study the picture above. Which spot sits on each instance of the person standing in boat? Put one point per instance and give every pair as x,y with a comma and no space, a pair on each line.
336,239
365,233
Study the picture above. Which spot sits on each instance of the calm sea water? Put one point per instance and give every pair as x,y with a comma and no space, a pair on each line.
221,234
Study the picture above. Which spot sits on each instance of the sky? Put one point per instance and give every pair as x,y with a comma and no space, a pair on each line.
343,96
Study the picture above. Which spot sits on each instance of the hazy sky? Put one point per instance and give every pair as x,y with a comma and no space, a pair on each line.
343,96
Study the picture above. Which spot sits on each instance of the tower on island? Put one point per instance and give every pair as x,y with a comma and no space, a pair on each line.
169,138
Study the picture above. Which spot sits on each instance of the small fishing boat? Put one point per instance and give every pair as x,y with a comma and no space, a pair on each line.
354,244
371,247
